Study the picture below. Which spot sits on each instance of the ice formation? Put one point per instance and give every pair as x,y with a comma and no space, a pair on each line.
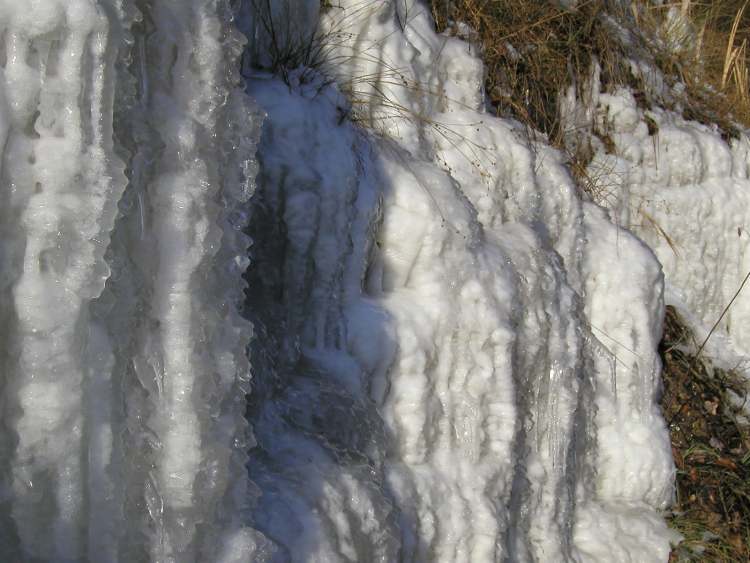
483,342
128,150
682,186
453,357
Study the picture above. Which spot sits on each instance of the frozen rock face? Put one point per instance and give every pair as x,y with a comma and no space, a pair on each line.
458,353
454,358
127,151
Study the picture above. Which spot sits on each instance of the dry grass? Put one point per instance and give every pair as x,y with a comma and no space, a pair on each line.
708,54
534,49
711,448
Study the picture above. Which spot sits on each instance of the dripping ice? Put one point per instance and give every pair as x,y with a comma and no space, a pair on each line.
128,147
335,313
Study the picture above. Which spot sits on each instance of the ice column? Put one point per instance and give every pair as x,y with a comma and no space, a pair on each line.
127,151
60,186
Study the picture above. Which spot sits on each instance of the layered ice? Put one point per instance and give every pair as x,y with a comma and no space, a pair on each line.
127,154
683,187
453,357
458,352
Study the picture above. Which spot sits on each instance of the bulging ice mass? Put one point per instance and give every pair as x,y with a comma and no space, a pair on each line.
275,286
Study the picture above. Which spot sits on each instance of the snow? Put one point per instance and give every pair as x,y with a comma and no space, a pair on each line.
453,357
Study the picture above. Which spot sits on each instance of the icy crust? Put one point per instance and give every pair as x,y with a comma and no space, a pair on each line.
59,194
514,391
183,360
123,433
684,190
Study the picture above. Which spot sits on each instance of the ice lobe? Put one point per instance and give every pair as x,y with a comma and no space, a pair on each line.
320,340
486,394
124,355
683,188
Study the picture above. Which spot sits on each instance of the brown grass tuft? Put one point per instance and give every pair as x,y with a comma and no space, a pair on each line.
535,49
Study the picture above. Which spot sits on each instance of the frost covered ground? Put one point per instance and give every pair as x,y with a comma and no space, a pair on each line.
336,313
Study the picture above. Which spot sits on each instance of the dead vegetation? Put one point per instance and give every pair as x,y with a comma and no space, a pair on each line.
713,62
703,406
534,50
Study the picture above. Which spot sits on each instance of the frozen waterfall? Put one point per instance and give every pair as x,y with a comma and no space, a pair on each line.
332,313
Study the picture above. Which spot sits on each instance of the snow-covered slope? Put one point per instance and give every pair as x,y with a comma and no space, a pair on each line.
453,357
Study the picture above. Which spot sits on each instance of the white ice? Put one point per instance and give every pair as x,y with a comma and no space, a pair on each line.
453,356
505,332
683,187
128,148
